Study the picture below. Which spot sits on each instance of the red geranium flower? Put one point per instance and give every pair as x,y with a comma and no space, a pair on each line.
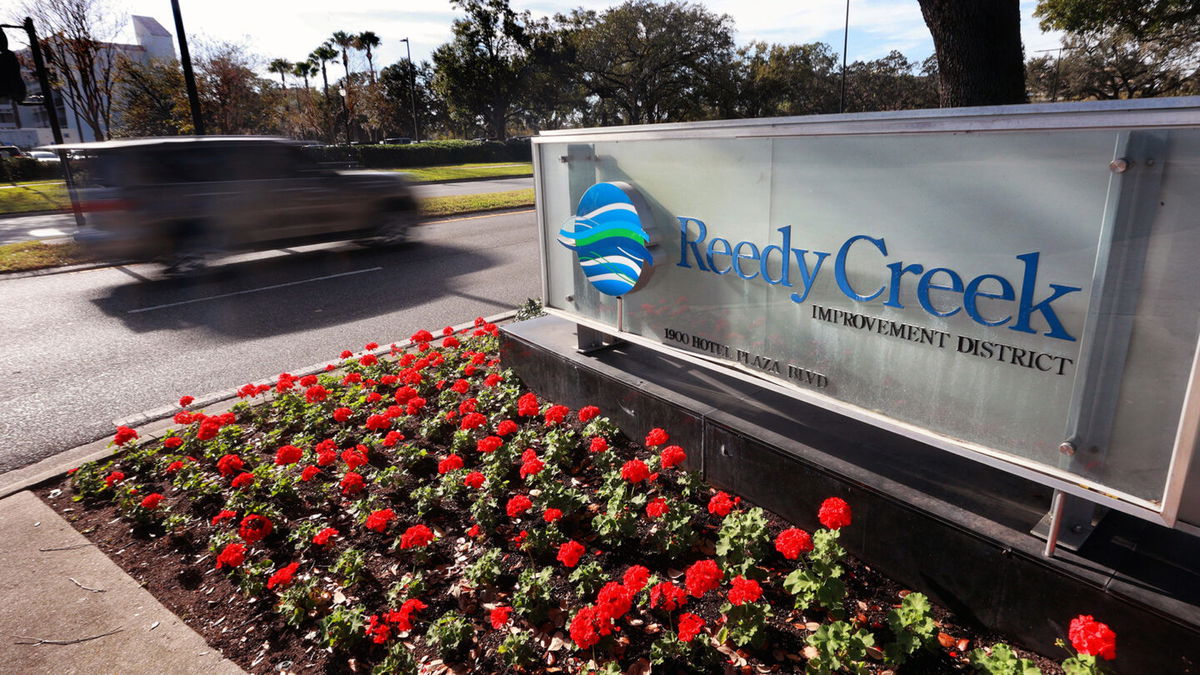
172,442
421,336
183,417
151,500
461,386
288,454
672,455
352,483
531,467
224,515
499,617
587,412
378,422
689,626
702,577
506,427
657,508
124,435
322,538
415,537
185,401
451,463
378,520
570,553
598,444
354,458
316,393
284,576
792,542
342,414
489,444
308,380
371,345
403,616
613,601
744,590
834,513
242,480
518,505
233,555
368,360
475,531
392,438
254,528
379,631
555,414
551,515
174,466
657,437
309,473
583,628
527,405
670,596
492,380
635,471
1089,636
720,504
474,480
636,577
472,421
229,465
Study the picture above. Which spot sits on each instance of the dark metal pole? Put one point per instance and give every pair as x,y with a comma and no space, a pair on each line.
845,43
412,91
189,79
35,48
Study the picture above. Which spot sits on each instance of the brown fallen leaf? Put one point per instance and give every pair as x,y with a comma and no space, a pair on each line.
904,594
810,652
875,653
639,667
963,645
812,626
946,640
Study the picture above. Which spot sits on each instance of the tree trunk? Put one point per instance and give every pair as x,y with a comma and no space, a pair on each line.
979,52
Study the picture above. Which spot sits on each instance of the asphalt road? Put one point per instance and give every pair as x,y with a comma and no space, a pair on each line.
57,225
83,349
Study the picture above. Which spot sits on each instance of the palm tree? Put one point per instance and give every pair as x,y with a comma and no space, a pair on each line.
345,41
304,69
323,55
365,41
283,67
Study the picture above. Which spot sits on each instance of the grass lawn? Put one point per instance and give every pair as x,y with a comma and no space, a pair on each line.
464,171
33,196
35,255
449,206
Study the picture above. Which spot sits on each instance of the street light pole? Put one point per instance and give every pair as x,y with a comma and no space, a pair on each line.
845,43
412,91
189,78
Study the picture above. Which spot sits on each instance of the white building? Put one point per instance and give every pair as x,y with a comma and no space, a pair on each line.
27,126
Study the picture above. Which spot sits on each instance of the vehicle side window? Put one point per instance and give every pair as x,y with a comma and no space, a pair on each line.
187,165
266,162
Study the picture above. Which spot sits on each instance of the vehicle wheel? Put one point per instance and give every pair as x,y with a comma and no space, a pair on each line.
394,228
192,252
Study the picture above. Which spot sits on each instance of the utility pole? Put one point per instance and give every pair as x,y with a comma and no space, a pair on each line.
189,79
39,65
1057,60
412,91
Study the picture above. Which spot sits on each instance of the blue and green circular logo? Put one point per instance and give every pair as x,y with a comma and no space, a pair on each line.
609,238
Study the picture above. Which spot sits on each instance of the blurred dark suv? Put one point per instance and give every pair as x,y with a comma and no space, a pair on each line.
182,200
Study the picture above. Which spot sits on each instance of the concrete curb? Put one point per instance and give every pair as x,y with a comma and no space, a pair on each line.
23,214
155,422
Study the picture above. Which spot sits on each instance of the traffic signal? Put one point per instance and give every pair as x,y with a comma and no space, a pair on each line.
11,84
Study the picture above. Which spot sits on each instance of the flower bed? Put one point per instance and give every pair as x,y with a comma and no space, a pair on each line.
423,512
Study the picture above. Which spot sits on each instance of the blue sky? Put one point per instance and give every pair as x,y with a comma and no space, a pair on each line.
274,28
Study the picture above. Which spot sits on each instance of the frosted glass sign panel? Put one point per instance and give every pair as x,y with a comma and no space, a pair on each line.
1016,287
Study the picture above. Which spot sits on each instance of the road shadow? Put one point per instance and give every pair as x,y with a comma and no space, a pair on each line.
298,291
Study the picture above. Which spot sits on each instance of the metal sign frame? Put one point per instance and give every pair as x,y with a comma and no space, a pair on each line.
1119,258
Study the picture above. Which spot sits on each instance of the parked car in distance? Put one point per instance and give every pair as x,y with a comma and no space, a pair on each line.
45,156
183,200
396,141
11,151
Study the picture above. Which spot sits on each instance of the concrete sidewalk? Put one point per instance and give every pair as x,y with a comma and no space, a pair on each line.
44,566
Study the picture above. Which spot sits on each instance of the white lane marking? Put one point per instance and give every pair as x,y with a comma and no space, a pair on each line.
250,290
47,232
